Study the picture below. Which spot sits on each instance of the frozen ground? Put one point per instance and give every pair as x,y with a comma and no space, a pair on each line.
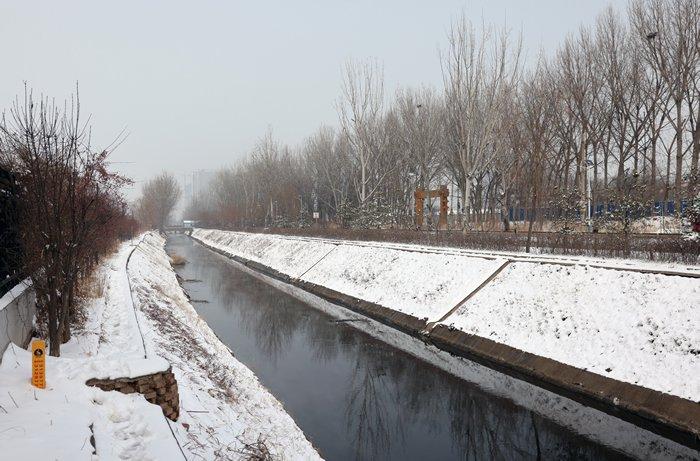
642,328
225,411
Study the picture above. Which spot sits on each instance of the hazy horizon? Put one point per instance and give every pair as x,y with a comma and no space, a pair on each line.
194,86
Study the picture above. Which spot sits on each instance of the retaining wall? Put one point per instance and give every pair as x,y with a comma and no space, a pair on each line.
158,388
17,309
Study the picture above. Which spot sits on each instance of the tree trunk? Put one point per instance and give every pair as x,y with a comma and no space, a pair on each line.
652,174
64,322
54,340
532,222
465,203
582,169
679,157
693,182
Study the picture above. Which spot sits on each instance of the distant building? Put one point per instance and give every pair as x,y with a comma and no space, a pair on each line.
196,186
201,182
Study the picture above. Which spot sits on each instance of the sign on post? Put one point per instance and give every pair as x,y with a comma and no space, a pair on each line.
39,363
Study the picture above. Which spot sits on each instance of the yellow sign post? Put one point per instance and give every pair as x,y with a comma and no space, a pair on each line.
39,363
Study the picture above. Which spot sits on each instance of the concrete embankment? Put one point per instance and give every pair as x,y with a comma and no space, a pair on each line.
16,315
621,341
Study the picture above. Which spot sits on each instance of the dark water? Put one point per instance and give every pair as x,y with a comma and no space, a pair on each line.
353,396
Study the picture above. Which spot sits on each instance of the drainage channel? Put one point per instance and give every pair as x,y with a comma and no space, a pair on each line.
358,398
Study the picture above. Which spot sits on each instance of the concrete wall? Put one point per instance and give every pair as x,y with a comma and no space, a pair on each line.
17,308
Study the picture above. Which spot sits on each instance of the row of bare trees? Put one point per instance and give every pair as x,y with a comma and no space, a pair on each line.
613,116
70,208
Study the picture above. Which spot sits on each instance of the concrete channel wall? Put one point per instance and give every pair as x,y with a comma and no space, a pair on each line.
17,308
430,294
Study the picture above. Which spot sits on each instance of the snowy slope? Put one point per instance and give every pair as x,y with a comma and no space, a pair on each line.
420,284
639,328
224,408
425,285
288,256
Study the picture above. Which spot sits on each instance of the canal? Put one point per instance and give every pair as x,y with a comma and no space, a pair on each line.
354,396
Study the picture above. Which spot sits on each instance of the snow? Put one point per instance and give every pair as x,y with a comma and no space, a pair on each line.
425,285
591,313
619,263
291,257
54,423
633,327
16,291
224,409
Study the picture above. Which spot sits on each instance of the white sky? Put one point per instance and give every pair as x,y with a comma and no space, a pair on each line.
195,84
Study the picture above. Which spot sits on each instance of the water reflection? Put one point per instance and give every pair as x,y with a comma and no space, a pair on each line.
355,397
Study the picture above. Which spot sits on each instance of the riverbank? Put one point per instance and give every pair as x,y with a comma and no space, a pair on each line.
422,292
224,412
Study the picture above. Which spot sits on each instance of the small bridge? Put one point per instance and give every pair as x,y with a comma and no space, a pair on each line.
178,230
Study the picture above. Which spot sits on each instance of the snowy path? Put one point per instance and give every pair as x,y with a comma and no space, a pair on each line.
58,422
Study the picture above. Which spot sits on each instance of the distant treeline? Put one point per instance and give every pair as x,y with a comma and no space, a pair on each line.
612,117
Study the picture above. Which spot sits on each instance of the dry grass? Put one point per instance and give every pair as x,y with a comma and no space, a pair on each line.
92,286
177,260
255,451
88,288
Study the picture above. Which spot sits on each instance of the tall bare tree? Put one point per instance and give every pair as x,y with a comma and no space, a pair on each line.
479,67
360,111
158,199
69,203
670,30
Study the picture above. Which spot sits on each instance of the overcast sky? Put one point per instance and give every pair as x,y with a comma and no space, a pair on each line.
195,84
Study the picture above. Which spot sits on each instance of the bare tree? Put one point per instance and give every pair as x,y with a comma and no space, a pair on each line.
69,203
670,30
421,118
537,101
360,111
158,199
477,72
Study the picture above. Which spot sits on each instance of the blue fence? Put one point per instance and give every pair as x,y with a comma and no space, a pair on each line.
659,209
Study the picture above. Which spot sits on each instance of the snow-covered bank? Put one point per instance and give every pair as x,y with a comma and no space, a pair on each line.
424,285
225,412
641,328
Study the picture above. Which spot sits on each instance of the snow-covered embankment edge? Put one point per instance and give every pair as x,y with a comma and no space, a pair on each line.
384,283
225,411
